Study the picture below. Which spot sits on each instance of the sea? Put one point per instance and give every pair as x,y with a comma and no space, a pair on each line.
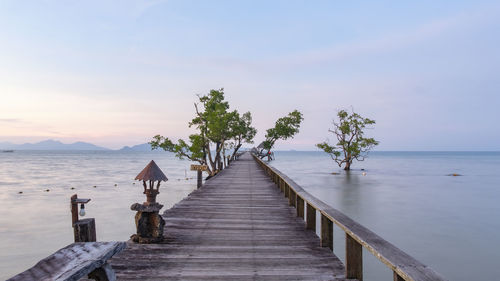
440,207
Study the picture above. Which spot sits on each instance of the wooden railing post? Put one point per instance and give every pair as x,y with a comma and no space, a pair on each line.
300,207
282,187
291,197
353,258
326,232
287,190
397,277
311,218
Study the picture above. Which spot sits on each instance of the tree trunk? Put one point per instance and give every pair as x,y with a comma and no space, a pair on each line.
224,157
347,166
212,163
217,157
235,151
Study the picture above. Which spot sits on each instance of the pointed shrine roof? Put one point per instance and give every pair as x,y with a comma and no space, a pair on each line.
151,172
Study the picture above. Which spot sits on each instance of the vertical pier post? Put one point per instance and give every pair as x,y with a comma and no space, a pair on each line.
353,258
199,179
326,232
291,197
199,174
300,207
311,218
83,229
74,210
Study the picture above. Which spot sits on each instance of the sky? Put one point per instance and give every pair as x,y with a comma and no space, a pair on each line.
116,73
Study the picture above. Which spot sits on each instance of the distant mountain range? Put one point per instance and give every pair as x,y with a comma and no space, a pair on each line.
57,145
139,147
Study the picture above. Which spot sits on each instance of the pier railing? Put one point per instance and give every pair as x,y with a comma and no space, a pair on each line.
404,266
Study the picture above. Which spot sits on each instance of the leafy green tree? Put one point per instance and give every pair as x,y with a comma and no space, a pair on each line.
284,128
216,125
242,132
193,151
213,120
351,145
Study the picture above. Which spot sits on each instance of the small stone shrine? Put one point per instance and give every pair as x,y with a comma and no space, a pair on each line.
147,220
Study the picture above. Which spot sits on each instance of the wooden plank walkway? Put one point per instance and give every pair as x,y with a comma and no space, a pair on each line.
238,226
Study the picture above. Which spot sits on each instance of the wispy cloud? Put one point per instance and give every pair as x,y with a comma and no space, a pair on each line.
10,120
396,39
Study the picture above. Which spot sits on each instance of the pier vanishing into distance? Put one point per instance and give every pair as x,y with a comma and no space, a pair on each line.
249,222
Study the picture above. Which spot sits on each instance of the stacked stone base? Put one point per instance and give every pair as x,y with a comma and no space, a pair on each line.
148,222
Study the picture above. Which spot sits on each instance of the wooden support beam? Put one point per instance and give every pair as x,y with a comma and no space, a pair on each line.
84,230
353,258
74,209
300,207
199,179
104,273
311,218
291,197
326,232
397,277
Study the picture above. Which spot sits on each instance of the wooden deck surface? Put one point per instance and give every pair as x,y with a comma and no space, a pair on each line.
238,226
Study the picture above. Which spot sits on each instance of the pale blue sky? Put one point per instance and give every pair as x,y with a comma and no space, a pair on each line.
118,72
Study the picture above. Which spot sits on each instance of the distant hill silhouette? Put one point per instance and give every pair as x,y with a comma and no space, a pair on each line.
139,147
51,145
57,145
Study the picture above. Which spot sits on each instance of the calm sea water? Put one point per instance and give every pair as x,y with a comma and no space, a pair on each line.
36,223
449,223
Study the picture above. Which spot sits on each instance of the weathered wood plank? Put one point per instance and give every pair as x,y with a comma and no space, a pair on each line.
72,262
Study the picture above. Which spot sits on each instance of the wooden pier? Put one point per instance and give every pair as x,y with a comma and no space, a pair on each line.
249,222
238,226
255,223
